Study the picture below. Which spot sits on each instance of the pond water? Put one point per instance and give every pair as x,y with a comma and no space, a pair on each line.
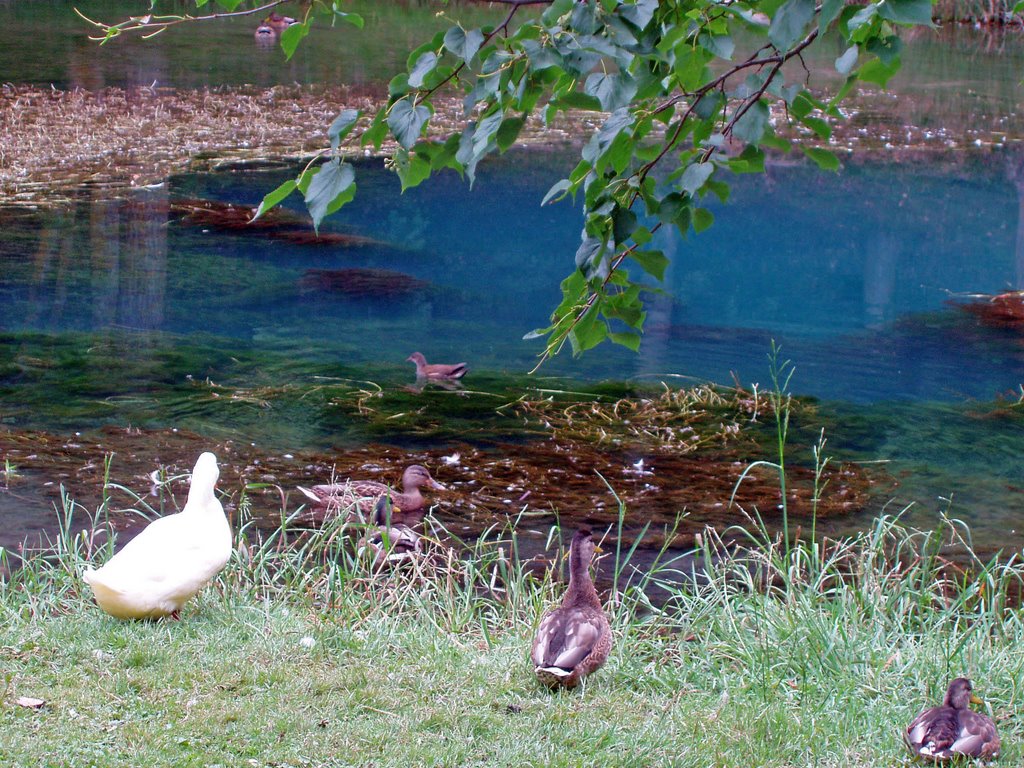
113,312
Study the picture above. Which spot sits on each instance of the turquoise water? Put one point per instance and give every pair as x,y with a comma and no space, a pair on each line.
856,275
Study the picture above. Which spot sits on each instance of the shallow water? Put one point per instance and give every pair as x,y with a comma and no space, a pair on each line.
123,313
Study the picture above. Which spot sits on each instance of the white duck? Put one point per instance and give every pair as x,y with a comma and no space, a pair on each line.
173,557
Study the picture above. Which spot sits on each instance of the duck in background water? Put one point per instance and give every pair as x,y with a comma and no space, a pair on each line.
270,28
173,557
425,370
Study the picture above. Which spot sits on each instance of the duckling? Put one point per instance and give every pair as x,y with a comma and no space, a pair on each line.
173,557
425,370
573,640
364,494
941,734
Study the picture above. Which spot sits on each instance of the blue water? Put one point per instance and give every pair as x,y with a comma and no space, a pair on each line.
853,274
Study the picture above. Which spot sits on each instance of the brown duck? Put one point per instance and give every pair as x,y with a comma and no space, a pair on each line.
942,734
574,639
272,26
388,544
363,495
425,370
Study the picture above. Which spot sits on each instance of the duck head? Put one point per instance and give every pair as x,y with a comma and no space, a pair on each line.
204,478
417,476
960,694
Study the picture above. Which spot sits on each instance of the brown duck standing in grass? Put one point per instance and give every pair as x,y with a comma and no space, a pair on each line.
425,370
328,500
574,639
952,731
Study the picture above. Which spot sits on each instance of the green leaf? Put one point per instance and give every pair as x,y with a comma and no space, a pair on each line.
588,332
790,22
640,13
424,66
750,160
824,159
626,339
801,107
876,71
690,64
721,46
341,126
591,257
888,49
557,192
720,188
349,18
377,131
675,209
654,263
612,91
907,11
273,198
292,35
821,128
331,187
751,126
606,135
578,100
702,219
830,10
463,44
508,131
406,122
846,62
694,177
623,224
411,169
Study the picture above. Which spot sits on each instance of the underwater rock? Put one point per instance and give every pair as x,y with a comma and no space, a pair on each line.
1003,310
277,223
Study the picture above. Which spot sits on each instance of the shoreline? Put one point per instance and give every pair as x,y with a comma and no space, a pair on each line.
124,139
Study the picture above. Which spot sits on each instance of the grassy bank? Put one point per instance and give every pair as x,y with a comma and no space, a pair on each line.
296,656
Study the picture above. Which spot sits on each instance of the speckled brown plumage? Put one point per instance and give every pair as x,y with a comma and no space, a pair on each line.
573,640
327,500
941,734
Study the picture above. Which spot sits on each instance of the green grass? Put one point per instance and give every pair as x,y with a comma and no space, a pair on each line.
783,656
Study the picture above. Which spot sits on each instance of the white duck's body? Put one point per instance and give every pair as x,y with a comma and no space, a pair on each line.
166,564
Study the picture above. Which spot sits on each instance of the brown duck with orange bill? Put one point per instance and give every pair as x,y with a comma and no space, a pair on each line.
425,370
953,731
362,496
273,26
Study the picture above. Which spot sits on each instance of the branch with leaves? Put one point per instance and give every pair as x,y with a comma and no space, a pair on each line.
681,107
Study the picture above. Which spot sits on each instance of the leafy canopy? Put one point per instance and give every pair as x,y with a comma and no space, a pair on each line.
686,89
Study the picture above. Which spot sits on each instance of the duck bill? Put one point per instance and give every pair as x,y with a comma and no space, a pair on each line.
975,699
437,486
